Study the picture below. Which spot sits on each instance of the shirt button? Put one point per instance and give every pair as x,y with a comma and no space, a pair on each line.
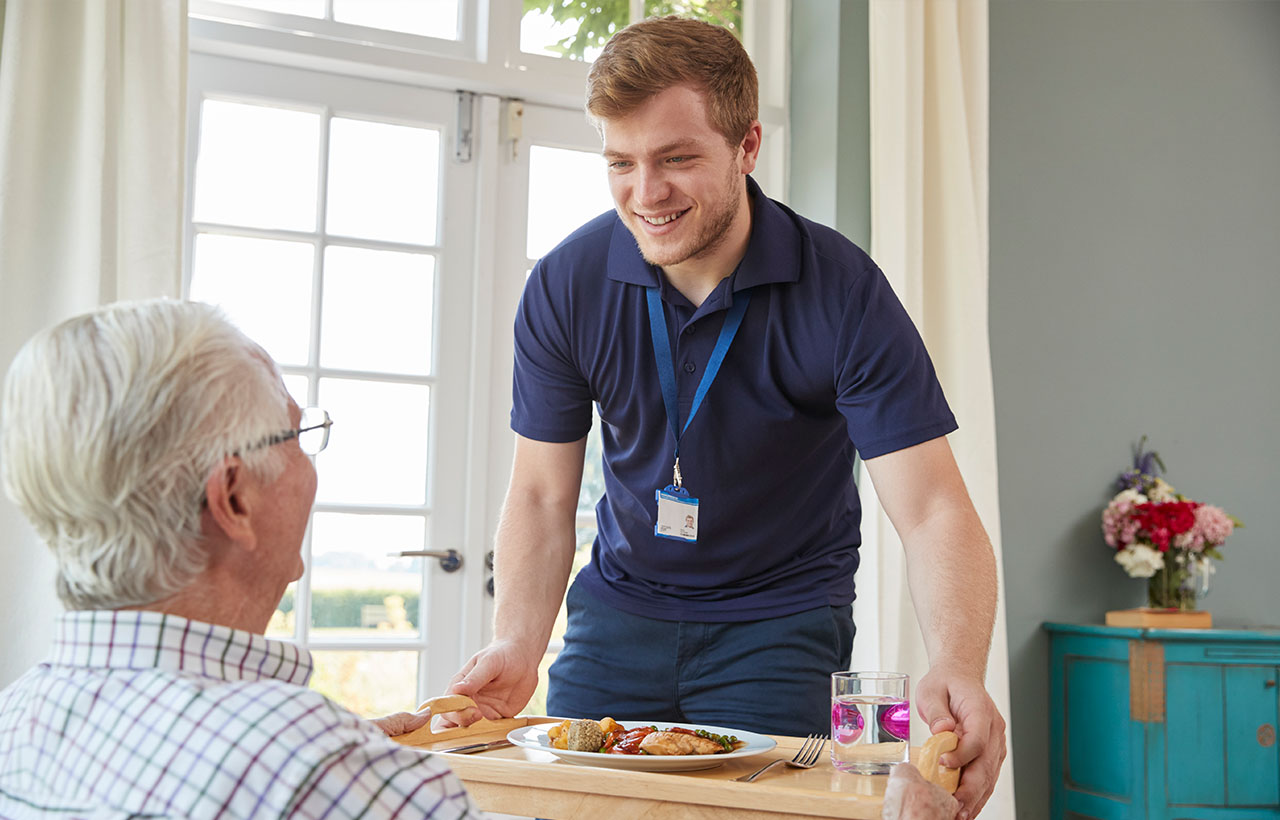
688,367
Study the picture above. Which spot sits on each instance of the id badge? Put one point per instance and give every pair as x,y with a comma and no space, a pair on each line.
677,514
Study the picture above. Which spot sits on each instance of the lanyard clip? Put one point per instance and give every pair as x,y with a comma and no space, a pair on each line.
676,476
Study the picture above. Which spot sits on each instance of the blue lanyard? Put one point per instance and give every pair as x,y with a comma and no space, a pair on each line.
666,366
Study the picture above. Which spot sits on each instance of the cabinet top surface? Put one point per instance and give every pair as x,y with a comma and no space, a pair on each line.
1259,633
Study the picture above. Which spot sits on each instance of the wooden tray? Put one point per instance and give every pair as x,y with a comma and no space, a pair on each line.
532,783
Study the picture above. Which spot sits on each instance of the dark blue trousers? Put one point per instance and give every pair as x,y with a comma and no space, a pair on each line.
771,676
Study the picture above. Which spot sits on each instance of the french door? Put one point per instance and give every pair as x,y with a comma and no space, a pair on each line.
551,180
332,222
375,238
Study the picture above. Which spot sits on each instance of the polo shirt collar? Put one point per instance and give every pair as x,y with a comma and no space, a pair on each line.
773,251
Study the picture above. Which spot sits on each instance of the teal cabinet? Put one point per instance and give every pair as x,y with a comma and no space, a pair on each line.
1163,724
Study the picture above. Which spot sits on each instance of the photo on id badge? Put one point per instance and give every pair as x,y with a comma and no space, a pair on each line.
677,517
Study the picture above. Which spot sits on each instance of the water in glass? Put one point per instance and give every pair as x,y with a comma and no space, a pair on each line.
870,723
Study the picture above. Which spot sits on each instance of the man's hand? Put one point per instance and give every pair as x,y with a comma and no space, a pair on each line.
500,678
401,723
949,700
910,797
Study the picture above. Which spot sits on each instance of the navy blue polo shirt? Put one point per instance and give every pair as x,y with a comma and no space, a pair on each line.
826,361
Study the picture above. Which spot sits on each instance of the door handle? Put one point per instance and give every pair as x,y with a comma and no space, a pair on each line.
450,560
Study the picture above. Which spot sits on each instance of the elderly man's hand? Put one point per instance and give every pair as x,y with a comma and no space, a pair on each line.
949,699
910,797
401,723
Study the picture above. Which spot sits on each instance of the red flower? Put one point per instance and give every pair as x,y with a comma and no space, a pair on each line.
1162,521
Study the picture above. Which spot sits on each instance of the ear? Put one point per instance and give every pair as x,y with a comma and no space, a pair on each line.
229,501
750,147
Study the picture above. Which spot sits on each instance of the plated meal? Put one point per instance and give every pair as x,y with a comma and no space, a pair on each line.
643,746
610,737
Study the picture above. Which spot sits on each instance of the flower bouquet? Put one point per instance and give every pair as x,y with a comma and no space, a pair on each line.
1161,535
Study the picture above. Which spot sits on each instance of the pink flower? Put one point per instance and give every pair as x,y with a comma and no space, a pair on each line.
1192,539
1118,525
1213,525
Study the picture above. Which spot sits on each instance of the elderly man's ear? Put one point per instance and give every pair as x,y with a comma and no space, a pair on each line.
231,495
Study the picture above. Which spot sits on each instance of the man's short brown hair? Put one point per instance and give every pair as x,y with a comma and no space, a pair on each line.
653,55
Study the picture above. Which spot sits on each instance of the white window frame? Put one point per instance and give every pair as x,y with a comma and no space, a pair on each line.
441,642
486,60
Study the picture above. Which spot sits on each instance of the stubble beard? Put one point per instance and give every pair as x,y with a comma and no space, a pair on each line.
713,234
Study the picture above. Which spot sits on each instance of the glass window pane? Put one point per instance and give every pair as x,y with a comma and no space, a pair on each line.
383,181
377,450
357,590
574,30
727,13
371,684
257,166
592,471
377,312
582,555
264,285
297,387
429,18
303,8
566,188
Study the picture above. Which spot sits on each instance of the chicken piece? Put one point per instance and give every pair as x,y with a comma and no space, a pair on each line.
678,743
585,736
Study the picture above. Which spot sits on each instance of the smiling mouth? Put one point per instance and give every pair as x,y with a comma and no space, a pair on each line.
663,220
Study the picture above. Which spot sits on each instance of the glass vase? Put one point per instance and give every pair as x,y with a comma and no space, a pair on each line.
1175,585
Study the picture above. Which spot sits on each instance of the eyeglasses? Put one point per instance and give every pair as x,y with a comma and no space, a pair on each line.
312,432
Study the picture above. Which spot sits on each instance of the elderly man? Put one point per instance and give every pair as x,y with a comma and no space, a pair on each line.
154,448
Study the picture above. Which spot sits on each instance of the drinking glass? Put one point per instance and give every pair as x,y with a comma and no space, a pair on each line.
870,721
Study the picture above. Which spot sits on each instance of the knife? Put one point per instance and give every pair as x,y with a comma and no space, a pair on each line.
475,747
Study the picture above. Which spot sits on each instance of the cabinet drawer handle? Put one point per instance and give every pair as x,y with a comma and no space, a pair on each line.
1266,735
1269,684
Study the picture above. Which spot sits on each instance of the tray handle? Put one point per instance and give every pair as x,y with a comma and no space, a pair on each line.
446,704
934,748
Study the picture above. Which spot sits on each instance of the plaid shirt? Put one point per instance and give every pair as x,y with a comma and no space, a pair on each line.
145,714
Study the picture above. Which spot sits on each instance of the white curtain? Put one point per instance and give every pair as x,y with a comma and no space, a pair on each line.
929,167
92,122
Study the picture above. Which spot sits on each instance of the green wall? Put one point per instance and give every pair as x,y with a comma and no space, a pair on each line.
1135,274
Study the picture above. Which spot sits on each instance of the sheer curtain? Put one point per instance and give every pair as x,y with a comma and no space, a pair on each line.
929,166
92,117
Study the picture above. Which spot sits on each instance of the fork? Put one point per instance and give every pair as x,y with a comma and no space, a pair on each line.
804,759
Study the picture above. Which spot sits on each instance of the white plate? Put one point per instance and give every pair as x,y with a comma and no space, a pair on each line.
535,737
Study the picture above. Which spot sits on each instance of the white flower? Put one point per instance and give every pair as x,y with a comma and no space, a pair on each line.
1140,560
1163,491
1132,496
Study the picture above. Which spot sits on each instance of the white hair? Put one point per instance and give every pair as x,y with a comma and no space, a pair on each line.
113,421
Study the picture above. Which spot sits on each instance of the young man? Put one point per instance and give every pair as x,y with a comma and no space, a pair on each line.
738,354
155,450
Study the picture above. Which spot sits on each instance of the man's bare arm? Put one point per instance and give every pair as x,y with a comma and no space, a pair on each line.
533,554
951,572
951,568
